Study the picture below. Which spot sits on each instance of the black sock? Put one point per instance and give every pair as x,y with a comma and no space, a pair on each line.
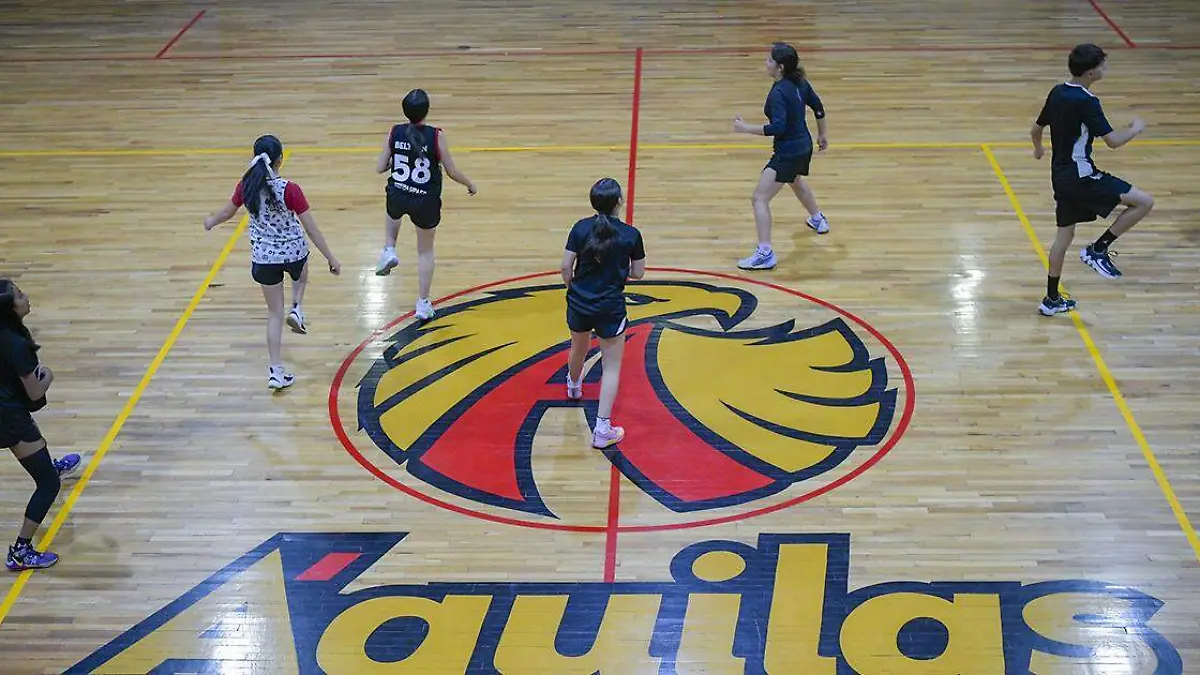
1052,287
1105,239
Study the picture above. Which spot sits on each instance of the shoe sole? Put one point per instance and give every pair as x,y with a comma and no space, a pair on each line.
296,326
609,444
23,568
752,268
386,269
816,229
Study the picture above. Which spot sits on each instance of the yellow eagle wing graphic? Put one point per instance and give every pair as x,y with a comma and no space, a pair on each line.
791,400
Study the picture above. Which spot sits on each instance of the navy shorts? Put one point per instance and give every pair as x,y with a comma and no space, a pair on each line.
1082,200
271,274
425,211
603,325
789,167
17,426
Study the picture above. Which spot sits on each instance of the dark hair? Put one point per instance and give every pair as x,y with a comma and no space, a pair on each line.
605,196
8,311
416,107
254,181
785,55
1084,57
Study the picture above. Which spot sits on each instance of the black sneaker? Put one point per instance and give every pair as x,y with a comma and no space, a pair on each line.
1056,306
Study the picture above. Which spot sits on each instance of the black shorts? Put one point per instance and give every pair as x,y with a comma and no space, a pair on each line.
603,325
271,274
789,167
425,211
1082,200
17,426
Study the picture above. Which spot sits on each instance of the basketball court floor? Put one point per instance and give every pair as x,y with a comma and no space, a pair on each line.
876,458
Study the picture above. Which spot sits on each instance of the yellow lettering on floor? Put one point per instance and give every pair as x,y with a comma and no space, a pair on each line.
454,625
622,643
247,621
975,644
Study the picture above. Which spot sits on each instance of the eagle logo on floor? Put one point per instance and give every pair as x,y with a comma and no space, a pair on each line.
716,414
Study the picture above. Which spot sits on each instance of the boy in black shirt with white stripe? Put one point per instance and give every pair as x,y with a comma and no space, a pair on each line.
1083,192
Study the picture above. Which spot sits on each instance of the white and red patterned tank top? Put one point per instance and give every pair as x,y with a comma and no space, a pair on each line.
276,235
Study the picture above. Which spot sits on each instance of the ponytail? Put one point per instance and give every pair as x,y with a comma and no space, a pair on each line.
416,108
416,144
267,151
599,239
605,197
787,58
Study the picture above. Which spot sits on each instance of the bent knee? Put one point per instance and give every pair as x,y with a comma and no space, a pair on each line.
1139,198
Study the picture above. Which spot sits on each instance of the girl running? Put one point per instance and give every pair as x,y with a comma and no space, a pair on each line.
415,153
601,254
793,148
279,219
23,386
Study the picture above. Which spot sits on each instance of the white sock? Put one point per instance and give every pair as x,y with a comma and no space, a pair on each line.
603,425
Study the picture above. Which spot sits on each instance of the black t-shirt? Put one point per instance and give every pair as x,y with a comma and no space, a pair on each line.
412,174
18,358
1075,119
785,111
598,287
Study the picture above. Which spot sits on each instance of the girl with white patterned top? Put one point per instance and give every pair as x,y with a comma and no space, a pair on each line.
279,219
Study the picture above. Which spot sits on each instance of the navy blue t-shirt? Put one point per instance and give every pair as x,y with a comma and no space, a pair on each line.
598,287
785,110
18,358
1075,119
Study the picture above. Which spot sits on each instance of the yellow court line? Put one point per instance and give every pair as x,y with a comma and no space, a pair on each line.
1159,475
15,591
683,146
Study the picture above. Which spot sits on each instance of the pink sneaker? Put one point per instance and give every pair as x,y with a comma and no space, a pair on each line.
603,439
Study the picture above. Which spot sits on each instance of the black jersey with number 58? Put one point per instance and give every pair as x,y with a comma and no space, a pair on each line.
415,170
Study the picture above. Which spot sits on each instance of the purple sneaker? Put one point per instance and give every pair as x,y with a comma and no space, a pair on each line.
67,465
603,439
28,558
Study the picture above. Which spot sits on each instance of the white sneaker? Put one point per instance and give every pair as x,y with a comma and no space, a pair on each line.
424,309
758,261
574,390
387,261
280,378
818,223
295,319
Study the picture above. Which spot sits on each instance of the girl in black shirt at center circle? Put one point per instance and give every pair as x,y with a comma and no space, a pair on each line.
601,254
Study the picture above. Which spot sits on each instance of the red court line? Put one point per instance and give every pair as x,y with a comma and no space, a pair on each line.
1113,24
328,567
612,527
614,484
178,35
527,53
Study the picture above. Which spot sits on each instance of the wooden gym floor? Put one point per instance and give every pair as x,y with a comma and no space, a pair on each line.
876,458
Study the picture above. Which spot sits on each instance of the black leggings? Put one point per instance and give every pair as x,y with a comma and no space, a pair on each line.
41,468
